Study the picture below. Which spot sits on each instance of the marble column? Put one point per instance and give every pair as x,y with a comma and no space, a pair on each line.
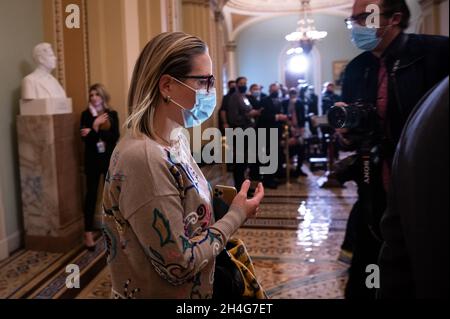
50,181
232,67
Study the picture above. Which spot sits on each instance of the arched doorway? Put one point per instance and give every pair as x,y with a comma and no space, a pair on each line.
299,66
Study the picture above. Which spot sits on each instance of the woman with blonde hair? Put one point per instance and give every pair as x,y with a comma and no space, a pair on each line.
159,226
100,133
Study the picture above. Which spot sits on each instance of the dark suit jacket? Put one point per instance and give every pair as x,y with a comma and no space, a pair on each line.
414,260
299,109
237,111
269,112
93,161
313,104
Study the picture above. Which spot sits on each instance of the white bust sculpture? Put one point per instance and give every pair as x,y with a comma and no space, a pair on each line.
41,84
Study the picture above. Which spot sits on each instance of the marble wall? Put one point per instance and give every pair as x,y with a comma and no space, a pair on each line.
49,166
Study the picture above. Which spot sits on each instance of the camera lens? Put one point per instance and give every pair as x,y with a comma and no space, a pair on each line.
337,117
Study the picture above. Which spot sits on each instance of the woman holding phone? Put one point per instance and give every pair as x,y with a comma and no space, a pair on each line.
159,226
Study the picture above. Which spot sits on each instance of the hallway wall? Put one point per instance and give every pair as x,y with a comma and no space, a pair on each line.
260,46
21,28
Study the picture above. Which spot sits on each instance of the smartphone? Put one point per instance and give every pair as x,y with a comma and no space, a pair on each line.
222,199
225,193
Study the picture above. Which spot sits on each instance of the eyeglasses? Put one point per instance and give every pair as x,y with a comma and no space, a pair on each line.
361,18
204,81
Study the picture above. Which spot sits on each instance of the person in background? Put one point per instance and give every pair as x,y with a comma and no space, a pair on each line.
284,92
100,133
329,97
161,234
295,110
272,116
255,96
414,258
223,121
312,102
242,115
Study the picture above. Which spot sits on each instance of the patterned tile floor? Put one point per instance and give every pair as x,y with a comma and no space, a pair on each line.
22,268
294,243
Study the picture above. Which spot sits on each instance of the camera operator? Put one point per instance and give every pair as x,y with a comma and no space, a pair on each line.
390,78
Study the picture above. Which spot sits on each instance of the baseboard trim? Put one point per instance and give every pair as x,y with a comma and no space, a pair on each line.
10,244
4,249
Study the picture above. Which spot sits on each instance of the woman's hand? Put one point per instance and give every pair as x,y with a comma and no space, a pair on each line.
85,132
99,121
249,206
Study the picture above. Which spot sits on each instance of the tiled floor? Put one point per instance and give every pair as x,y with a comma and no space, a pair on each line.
295,252
294,243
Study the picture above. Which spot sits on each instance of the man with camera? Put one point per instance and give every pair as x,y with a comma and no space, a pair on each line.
380,89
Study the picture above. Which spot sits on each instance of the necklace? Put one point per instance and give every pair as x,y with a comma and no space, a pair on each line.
164,140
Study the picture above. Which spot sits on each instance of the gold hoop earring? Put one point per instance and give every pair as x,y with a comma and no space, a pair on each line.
167,99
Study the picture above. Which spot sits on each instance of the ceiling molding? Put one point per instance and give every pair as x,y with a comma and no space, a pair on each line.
257,7
256,17
238,20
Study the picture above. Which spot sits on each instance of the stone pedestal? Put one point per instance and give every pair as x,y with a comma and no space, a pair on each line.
46,106
50,181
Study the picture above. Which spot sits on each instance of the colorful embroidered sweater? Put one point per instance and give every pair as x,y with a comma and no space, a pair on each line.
158,222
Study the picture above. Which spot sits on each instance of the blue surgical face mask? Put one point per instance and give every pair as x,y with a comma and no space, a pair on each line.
365,38
256,94
205,103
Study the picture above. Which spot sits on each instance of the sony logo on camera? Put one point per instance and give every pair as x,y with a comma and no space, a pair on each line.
366,169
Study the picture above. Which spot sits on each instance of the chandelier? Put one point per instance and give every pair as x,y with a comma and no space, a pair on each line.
306,34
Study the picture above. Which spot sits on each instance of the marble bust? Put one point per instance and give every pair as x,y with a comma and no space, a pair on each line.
41,84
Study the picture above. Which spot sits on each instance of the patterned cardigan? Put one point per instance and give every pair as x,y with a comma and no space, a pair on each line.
158,223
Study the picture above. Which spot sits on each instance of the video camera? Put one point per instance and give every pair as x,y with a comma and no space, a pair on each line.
366,136
358,116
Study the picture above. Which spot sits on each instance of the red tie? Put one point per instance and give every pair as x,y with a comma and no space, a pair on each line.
382,102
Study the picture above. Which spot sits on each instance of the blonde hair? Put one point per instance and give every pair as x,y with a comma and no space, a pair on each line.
168,53
101,90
